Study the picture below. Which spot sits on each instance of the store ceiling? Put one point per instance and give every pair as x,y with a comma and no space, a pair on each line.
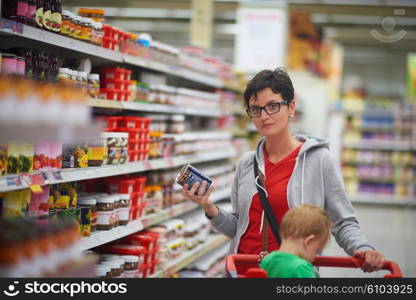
348,22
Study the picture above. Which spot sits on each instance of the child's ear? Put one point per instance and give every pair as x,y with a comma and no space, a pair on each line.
309,239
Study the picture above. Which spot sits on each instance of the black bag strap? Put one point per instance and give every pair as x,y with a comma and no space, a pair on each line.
266,206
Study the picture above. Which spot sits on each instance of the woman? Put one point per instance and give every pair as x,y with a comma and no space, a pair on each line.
297,170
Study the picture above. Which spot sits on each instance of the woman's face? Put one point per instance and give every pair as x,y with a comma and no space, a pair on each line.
274,124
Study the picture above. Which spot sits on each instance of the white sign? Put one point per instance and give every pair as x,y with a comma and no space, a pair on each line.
261,38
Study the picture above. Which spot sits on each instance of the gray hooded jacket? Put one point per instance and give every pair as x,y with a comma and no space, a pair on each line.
316,179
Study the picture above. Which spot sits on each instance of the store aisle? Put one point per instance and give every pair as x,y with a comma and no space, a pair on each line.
391,230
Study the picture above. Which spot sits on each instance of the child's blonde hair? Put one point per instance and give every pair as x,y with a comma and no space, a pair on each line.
305,220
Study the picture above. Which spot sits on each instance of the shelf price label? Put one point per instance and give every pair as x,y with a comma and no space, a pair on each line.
169,272
147,165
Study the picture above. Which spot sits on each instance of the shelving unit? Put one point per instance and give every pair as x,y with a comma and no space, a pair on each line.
15,182
51,39
21,35
103,237
378,155
212,242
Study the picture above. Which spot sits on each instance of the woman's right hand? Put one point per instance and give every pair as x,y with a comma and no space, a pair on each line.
201,198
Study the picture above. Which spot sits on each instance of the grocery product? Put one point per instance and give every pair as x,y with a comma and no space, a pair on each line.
63,196
96,153
94,85
15,203
105,213
39,206
123,210
19,157
89,202
190,175
131,266
75,156
3,159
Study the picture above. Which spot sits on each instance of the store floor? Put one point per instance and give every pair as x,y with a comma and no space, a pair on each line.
392,230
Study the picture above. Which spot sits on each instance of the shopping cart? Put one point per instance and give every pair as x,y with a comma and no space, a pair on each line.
246,265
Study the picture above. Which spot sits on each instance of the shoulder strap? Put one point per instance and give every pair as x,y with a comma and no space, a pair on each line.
266,206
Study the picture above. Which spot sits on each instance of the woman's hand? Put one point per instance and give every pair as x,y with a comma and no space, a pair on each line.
201,198
373,260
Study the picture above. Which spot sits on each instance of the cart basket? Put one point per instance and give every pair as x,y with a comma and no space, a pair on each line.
236,263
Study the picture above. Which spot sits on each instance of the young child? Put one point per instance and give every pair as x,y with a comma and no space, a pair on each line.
304,231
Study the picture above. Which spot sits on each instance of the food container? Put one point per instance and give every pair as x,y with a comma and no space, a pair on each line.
94,85
105,213
131,266
190,175
75,156
96,153
90,202
123,210
3,159
39,203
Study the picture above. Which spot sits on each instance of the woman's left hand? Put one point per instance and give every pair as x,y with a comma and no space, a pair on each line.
373,260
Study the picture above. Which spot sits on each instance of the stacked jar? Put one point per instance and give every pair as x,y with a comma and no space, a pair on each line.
105,212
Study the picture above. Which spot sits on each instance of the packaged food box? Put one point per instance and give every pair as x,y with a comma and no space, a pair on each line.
42,154
3,159
39,206
15,203
19,157
75,156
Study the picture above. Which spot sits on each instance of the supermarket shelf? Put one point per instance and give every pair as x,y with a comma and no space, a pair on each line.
379,113
42,132
371,163
199,135
15,182
381,128
150,107
105,236
180,209
174,70
379,180
373,145
58,40
54,39
102,237
212,242
383,200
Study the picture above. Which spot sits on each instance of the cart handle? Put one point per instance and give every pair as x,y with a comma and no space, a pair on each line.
352,262
322,261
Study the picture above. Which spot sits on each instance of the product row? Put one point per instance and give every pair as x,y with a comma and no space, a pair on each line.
380,137
351,156
153,248
34,249
356,188
88,27
25,102
379,173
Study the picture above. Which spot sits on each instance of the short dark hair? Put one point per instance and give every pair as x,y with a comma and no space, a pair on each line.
278,80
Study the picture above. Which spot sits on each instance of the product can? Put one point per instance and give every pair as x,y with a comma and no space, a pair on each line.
190,175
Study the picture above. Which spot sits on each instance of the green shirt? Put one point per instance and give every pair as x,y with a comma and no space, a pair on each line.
285,265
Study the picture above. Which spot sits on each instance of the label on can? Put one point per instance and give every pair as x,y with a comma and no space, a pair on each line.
190,175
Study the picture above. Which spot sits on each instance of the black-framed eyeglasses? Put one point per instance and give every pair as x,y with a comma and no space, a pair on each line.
271,108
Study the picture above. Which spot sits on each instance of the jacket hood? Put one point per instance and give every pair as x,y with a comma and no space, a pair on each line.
309,142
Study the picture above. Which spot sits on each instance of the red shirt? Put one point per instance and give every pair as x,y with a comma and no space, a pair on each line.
277,179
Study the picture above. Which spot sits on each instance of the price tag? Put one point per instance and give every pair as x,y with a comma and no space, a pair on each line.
26,178
45,176
38,179
36,189
169,162
147,165
13,181
57,175
169,272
